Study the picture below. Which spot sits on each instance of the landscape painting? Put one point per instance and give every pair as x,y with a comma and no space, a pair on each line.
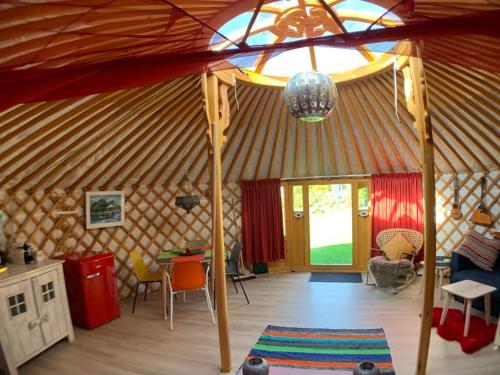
104,209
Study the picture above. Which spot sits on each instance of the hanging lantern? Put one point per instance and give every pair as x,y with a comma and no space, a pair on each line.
310,96
187,202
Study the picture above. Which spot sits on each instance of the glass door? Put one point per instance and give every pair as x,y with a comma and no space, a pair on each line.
330,225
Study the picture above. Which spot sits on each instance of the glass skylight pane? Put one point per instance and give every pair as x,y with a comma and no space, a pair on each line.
283,4
353,26
237,25
291,39
334,60
364,7
245,61
288,63
264,19
382,47
265,37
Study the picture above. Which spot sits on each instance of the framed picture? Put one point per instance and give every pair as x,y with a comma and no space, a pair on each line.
104,209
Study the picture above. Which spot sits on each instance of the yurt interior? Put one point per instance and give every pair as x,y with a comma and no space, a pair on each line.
249,187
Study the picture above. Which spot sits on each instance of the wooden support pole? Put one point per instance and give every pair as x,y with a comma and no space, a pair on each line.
419,103
217,115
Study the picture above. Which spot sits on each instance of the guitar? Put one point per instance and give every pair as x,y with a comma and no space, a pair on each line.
456,213
481,216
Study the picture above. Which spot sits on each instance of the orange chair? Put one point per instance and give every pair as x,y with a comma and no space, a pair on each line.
188,277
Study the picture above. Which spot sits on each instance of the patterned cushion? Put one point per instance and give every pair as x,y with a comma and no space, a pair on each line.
480,250
396,246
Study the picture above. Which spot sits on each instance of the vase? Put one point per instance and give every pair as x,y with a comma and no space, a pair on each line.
366,368
255,366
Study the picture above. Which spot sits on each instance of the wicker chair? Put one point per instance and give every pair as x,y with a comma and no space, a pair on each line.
387,274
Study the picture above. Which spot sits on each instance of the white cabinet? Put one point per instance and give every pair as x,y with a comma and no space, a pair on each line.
34,312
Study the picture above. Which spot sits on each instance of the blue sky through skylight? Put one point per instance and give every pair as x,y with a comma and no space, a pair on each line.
329,60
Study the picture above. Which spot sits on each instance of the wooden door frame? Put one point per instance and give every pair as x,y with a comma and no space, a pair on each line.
359,259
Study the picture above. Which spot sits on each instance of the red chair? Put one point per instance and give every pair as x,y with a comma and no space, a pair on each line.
187,277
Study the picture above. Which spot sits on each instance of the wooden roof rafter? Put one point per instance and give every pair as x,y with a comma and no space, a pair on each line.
78,143
163,126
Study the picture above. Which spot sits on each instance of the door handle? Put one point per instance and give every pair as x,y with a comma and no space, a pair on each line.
33,324
93,275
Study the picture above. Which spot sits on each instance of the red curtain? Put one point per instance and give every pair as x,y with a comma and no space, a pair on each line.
397,203
262,221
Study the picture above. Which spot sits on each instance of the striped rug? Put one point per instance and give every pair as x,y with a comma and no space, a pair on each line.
335,350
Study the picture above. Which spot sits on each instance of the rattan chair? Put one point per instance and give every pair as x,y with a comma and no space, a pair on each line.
397,269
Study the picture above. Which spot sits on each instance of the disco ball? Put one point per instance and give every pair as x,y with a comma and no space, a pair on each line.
310,96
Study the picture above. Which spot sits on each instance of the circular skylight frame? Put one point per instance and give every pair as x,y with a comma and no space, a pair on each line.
375,61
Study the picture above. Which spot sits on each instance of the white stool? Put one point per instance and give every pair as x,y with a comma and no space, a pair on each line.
468,290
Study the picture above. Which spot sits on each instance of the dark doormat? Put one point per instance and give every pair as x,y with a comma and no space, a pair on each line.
335,277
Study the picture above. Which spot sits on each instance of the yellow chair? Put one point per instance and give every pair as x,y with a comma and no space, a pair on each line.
143,275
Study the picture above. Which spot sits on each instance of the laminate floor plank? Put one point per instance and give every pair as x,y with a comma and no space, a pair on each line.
142,344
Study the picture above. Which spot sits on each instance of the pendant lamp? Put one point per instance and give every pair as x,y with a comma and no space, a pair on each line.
187,202
310,96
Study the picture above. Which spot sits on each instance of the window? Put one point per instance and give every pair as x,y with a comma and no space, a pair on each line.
17,305
282,191
363,196
287,21
48,292
298,200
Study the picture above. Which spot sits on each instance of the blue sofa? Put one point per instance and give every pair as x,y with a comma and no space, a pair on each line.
463,269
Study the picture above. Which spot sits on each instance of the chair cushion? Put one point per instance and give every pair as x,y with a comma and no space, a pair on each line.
480,250
396,246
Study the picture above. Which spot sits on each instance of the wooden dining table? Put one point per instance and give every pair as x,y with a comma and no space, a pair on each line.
167,258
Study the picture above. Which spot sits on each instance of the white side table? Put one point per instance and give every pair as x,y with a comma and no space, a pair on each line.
468,290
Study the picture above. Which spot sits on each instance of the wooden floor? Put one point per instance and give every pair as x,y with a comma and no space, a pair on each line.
143,344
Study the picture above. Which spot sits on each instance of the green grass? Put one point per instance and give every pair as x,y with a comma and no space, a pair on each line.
332,254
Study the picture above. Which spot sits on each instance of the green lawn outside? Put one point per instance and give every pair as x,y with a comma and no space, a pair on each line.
332,254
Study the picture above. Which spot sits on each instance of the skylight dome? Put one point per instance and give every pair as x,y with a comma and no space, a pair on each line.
286,21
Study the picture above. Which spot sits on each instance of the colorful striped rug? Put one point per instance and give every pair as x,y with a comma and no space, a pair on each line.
335,350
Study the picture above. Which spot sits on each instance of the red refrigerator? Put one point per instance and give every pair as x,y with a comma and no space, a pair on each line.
91,287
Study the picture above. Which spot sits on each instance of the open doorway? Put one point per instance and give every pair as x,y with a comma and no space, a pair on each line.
330,224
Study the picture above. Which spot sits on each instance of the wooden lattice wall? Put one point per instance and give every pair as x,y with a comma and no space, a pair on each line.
449,231
153,222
